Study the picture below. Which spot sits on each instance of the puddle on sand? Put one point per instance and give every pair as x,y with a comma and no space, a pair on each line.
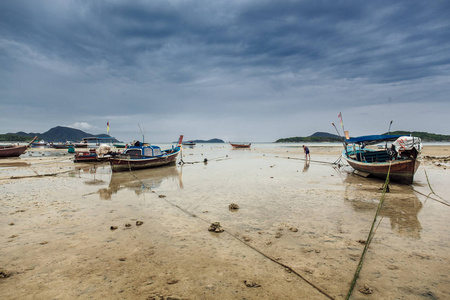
311,218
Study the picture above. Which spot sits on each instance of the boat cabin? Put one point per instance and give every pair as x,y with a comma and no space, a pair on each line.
147,151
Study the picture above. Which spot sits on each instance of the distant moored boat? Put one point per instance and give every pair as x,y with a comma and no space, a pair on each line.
240,145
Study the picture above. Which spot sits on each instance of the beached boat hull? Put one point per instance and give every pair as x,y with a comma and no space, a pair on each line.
89,157
12,151
126,163
401,171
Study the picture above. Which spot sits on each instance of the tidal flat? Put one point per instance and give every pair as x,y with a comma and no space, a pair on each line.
79,231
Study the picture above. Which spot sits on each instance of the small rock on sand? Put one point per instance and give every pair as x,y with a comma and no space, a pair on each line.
113,227
5,273
139,223
233,206
172,281
155,297
216,227
250,283
366,289
128,225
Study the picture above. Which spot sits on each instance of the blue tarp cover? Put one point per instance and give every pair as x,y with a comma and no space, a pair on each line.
372,139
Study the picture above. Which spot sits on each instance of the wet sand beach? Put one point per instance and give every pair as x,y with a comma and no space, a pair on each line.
78,231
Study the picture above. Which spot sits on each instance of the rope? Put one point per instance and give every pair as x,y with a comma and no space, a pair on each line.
428,197
370,236
37,175
315,161
181,162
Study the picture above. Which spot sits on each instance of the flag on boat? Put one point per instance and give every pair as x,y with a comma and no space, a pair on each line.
340,118
107,126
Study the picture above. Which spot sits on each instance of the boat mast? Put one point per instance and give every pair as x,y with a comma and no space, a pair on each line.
343,141
389,132
141,133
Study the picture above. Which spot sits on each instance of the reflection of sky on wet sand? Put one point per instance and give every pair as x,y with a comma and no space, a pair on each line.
140,181
401,206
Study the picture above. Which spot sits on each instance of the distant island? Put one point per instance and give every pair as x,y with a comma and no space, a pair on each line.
315,138
328,137
56,134
208,141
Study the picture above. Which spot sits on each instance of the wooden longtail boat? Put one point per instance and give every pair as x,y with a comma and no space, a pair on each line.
14,150
401,158
90,156
240,145
189,143
143,157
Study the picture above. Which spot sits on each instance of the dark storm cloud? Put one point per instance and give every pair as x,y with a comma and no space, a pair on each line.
239,58
381,43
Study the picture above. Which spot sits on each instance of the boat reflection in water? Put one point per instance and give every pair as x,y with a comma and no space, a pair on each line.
401,205
141,181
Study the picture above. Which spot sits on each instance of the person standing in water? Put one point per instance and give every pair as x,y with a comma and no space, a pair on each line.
306,150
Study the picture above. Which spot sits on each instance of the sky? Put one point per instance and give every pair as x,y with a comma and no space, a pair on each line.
247,70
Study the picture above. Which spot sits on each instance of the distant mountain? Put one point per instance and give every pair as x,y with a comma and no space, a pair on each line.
314,138
210,141
58,134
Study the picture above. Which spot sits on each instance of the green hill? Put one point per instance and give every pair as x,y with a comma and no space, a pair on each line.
425,136
12,137
327,137
314,138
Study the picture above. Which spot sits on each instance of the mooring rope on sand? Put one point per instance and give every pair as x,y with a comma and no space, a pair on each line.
237,238
303,159
182,162
370,236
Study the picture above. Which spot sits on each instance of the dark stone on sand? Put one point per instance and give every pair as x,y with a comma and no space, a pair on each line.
11,224
128,225
162,196
5,273
233,206
113,227
366,289
250,283
216,227
139,223
155,297
172,281
122,259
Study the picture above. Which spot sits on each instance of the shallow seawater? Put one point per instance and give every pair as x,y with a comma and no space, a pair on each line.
310,216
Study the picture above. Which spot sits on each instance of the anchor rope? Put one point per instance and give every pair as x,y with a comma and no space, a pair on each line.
370,236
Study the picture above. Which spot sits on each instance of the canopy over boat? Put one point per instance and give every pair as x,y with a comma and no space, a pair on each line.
372,139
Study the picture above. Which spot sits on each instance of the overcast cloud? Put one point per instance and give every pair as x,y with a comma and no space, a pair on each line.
236,70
